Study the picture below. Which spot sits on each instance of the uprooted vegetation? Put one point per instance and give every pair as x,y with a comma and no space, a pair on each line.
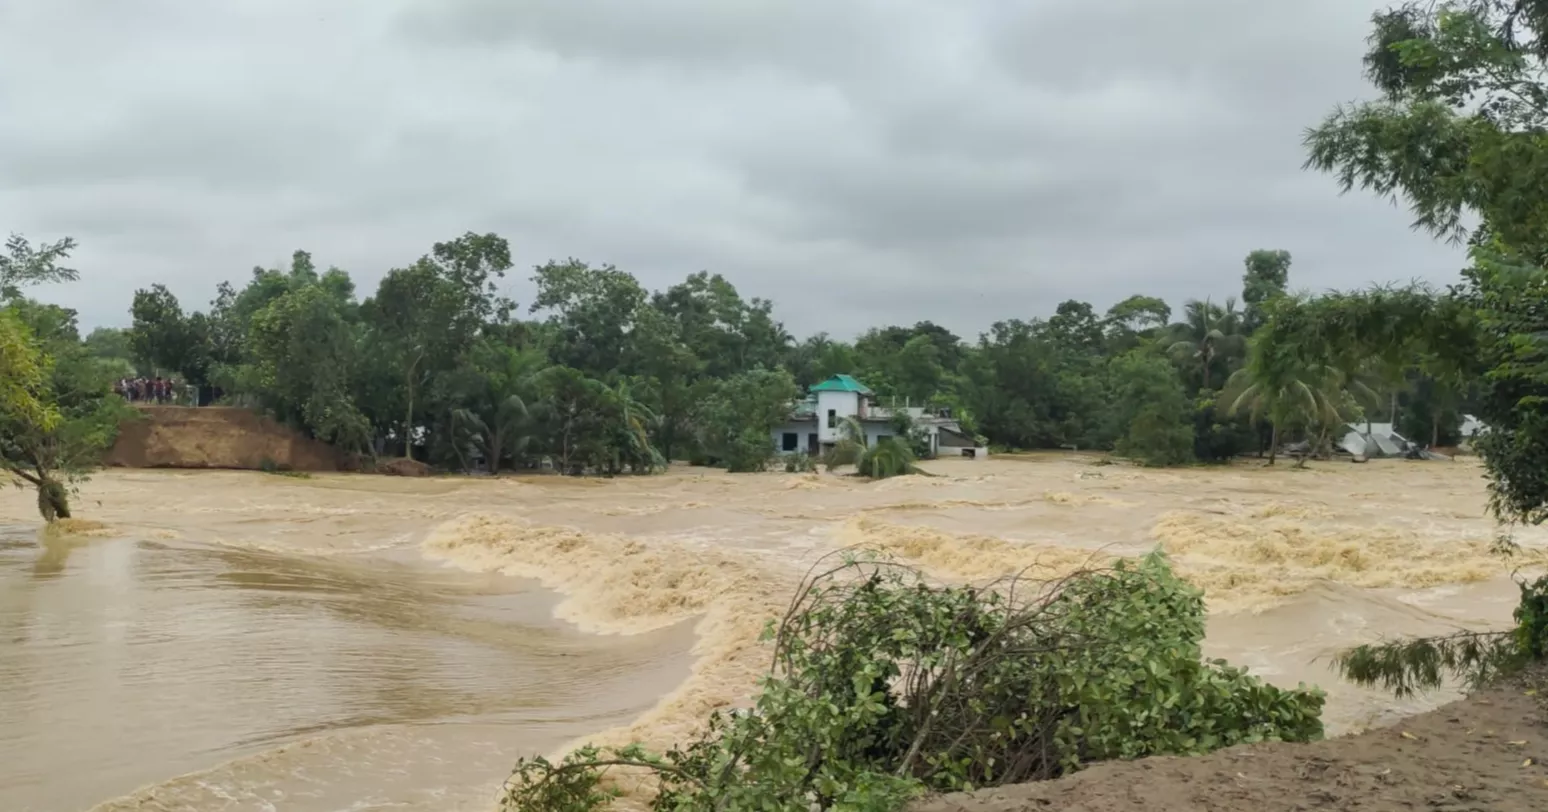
885,686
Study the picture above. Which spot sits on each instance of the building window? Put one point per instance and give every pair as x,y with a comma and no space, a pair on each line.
788,441
881,437
832,418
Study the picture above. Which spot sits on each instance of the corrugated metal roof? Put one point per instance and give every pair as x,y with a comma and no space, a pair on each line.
842,383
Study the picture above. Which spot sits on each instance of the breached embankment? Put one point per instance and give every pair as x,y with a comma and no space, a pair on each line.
216,437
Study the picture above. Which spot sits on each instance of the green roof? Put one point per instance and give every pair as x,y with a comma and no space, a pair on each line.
842,383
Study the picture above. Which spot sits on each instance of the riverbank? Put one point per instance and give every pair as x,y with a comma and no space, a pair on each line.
1486,752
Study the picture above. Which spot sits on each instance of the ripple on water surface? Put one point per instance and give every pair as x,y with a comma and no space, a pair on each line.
235,679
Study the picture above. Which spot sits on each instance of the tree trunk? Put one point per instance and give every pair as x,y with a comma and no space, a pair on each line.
1435,430
1273,442
408,420
408,415
53,499
496,448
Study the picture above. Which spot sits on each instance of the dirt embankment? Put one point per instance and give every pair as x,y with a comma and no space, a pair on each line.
217,437
1486,752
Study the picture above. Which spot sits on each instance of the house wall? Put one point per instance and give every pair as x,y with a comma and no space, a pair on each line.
801,430
843,404
876,431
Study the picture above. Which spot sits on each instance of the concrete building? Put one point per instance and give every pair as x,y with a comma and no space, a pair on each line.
815,423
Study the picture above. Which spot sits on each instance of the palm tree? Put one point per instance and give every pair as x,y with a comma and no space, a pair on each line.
1207,332
1290,394
889,457
501,423
501,432
635,422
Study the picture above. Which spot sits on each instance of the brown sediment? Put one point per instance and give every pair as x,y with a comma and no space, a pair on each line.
216,437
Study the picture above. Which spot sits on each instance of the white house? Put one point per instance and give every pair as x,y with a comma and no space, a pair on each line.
813,426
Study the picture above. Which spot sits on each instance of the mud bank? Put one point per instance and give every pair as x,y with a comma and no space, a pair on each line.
216,437
1484,752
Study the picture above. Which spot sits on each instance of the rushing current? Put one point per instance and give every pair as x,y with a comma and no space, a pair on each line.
235,641
268,681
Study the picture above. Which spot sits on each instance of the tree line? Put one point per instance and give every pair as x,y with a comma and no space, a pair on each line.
603,369
599,375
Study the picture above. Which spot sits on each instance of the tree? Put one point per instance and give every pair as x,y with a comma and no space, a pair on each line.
737,419
887,457
424,316
24,266
1459,131
304,351
668,370
726,332
496,414
111,346
1511,297
1459,127
1028,390
24,372
592,310
591,425
919,374
1074,326
624,441
27,411
1136,319
164,339
1207,333
1288,393
1152,414
60,414
1266,278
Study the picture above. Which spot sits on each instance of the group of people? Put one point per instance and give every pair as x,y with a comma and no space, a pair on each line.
149,390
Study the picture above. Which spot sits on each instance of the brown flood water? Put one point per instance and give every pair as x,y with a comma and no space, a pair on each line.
235,641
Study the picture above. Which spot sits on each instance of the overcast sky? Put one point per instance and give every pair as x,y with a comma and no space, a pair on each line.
860,162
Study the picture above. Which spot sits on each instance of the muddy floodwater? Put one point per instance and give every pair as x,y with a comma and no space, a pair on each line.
236,641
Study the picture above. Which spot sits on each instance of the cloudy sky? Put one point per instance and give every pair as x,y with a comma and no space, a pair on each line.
859,162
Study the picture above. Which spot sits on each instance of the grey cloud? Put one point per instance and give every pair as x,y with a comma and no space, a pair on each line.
860,163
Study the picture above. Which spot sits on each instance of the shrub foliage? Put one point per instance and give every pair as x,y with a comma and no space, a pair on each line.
885,686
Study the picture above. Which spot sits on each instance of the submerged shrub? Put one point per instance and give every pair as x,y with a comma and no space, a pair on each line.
800,463
885,686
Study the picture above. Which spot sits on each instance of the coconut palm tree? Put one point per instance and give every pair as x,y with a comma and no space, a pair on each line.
1207,332
1289,394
